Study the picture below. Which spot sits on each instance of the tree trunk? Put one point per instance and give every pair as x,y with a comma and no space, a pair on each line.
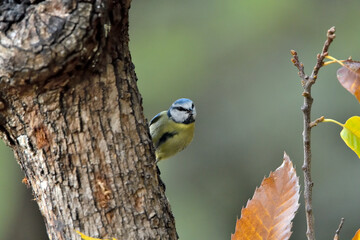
71,111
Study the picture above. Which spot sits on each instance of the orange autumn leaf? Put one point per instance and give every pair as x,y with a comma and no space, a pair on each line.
268,215
357,235
349,77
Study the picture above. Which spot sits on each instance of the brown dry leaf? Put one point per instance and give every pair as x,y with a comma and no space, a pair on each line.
349,77
268,215
357,235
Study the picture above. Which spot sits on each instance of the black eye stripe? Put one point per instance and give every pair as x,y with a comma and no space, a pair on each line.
181,109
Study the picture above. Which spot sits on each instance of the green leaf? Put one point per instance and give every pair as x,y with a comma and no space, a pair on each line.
351,134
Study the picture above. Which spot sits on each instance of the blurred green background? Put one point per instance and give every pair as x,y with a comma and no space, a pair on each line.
232,59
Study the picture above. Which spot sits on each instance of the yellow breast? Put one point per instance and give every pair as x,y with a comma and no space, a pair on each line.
169,137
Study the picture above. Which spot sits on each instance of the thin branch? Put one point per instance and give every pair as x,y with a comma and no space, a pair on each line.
307,82
337,233
320,57
295,60
316,121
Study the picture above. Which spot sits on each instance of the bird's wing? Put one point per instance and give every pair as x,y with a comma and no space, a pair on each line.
165,137
155,119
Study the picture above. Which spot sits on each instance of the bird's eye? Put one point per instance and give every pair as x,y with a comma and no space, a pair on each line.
192,106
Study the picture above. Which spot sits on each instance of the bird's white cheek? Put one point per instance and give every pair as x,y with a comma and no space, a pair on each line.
179,116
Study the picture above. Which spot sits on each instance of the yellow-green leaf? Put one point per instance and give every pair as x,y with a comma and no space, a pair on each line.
351,134
84,237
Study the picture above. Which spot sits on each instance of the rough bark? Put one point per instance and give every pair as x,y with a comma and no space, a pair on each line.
71,111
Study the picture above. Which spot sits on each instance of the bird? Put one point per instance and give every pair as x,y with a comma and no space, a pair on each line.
173,130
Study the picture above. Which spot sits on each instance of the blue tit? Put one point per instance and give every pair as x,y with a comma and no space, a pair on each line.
173,130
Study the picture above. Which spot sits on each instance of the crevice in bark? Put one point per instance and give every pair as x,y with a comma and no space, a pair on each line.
7,138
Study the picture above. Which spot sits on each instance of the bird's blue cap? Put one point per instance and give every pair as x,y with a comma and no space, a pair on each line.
182,101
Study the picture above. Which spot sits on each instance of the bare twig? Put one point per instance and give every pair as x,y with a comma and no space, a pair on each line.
337,233
307,82
320,57
299,65
316,121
